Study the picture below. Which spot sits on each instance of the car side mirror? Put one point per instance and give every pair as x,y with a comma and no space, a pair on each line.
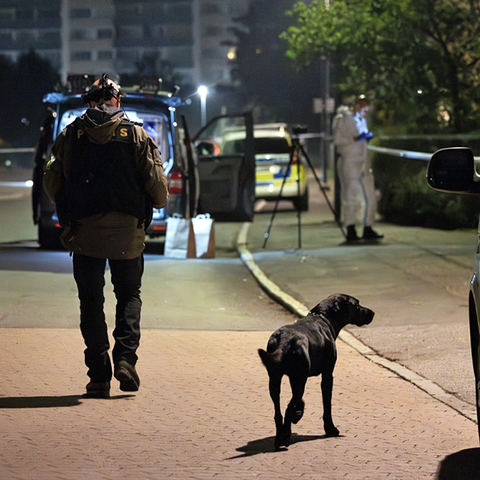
453,170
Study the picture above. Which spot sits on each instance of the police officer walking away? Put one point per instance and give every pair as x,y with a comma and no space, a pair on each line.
105,175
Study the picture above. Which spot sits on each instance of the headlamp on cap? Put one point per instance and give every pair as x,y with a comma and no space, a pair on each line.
105,89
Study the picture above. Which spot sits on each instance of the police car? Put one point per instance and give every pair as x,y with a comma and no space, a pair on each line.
280,168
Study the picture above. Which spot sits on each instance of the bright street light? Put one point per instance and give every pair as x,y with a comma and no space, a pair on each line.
202,91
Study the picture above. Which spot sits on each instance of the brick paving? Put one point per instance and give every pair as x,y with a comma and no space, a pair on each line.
203,412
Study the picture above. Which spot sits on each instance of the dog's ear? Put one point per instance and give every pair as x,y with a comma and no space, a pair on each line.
330,305
346,298
346,305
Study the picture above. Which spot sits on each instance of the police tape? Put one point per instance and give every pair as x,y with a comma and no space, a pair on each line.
406,153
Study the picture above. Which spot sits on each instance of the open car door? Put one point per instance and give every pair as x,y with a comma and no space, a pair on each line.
226,168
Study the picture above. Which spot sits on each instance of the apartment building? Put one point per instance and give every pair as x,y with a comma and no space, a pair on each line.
125,36
26,24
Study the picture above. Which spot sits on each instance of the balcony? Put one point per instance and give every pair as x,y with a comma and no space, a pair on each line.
129,18
27,24
128,42
24,45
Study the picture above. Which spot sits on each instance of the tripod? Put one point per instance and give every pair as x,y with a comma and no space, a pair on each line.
298,147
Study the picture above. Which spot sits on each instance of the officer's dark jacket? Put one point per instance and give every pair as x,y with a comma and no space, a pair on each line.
101,177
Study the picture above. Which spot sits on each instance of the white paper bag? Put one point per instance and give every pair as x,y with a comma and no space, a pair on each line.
203,228
180,238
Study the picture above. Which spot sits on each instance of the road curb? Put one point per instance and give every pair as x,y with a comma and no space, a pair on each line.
296,307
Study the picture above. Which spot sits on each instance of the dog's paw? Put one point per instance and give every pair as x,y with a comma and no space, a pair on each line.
278,444
297,413
282,440
332,431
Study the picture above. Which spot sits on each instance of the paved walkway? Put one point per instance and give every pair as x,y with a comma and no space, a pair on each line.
203,412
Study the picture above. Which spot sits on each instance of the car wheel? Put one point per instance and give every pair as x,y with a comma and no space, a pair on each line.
474,343
301,202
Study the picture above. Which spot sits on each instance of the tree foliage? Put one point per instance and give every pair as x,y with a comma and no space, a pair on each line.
22,86
417,55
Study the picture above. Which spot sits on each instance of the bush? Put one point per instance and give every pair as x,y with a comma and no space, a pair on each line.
407,199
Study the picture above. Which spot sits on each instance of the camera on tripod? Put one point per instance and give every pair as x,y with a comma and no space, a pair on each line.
299,130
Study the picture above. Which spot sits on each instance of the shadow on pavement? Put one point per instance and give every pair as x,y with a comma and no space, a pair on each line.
40,402
266,445
50,402
28,257
461,465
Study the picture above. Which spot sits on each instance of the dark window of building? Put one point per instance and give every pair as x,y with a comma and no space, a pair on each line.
180,11
24,14
49,36
212,31
26,36
177,33
105,55
211,8
127,55
7,14
156,32
134,31
104,33
48,13
79,56
6,38
79,34
80,13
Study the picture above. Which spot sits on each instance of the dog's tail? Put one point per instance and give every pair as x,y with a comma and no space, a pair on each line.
270,360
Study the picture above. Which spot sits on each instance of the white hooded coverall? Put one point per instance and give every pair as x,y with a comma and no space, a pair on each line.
356,179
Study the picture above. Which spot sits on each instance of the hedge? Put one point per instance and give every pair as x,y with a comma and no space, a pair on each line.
407,199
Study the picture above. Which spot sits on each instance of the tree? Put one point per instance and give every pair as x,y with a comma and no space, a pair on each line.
417,55
23,85
7,82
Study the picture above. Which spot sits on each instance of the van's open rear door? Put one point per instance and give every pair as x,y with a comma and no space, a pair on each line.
227,180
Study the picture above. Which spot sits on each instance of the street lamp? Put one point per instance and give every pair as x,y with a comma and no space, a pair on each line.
202,91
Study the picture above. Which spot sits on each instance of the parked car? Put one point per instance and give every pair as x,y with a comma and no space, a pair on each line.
190,184
277,161
453,170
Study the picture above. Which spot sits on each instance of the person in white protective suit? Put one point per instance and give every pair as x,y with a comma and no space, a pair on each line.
357,189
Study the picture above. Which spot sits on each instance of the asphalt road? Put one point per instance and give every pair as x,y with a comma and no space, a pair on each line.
37,288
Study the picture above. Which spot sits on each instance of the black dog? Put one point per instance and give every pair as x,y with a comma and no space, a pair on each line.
307,349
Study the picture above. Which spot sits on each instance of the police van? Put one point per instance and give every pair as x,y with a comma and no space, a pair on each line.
223,186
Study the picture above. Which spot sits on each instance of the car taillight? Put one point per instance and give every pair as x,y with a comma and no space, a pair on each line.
175,182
